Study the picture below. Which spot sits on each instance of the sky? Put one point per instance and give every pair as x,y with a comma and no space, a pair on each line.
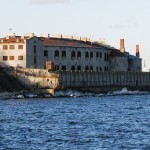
108,20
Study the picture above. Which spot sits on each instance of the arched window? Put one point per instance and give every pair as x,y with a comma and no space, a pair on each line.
56,53
78,67
97,55
73,68
86,67
91,54
100,54
73,54
86,54
91,67
79,54
63,68
63,54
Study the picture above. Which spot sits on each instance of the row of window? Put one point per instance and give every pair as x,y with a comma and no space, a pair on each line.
5,58
73,68
78,54
11,47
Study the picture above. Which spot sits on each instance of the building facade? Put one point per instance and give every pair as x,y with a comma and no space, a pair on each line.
64,53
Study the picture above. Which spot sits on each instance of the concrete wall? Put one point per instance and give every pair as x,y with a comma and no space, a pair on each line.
72,79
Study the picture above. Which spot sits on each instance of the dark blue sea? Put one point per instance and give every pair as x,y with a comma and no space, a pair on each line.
85,123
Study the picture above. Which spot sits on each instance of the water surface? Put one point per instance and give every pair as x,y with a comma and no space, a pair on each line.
87,123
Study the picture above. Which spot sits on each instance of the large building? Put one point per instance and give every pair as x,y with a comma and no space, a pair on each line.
65,53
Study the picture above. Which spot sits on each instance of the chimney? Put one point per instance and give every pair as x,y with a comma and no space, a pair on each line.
137,51
122,49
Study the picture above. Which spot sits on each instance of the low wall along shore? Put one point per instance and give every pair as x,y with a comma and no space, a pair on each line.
84,79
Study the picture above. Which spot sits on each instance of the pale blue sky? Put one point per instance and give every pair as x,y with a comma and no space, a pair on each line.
100,19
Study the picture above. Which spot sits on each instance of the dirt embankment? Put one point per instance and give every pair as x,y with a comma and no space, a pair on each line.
8,83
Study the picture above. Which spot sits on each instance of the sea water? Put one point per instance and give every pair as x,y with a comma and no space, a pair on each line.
84,123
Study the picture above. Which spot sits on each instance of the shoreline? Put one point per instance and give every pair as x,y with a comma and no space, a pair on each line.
67,94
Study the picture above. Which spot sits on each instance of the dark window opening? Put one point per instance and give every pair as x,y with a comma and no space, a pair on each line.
79,54
73,68
91,67
73,54
96,68
100,68
86,54
86,67
63,68
34,49
91,54
63,54
78,67
97,54
56,54
100,55
45,53
34,59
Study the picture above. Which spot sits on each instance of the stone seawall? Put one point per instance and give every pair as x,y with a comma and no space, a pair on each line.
104,81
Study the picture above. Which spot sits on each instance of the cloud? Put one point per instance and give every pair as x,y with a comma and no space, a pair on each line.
118,26
49,1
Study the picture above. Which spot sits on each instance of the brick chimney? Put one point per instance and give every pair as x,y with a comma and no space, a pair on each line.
122,49
137,51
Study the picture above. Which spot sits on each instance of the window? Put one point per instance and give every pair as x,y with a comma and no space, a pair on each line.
64,68
96,68
86,67
79,54
34,49
78,67
73,55
86,54
5,47
20,57
91,67
20,46
34,59
105,57
56,53
72,67
100,55
11,47
11,57
97,54
91,55
5,58
56,68
63,54
100,68
45,53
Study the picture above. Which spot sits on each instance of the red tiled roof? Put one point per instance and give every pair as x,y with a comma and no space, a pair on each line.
12,40
67,42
